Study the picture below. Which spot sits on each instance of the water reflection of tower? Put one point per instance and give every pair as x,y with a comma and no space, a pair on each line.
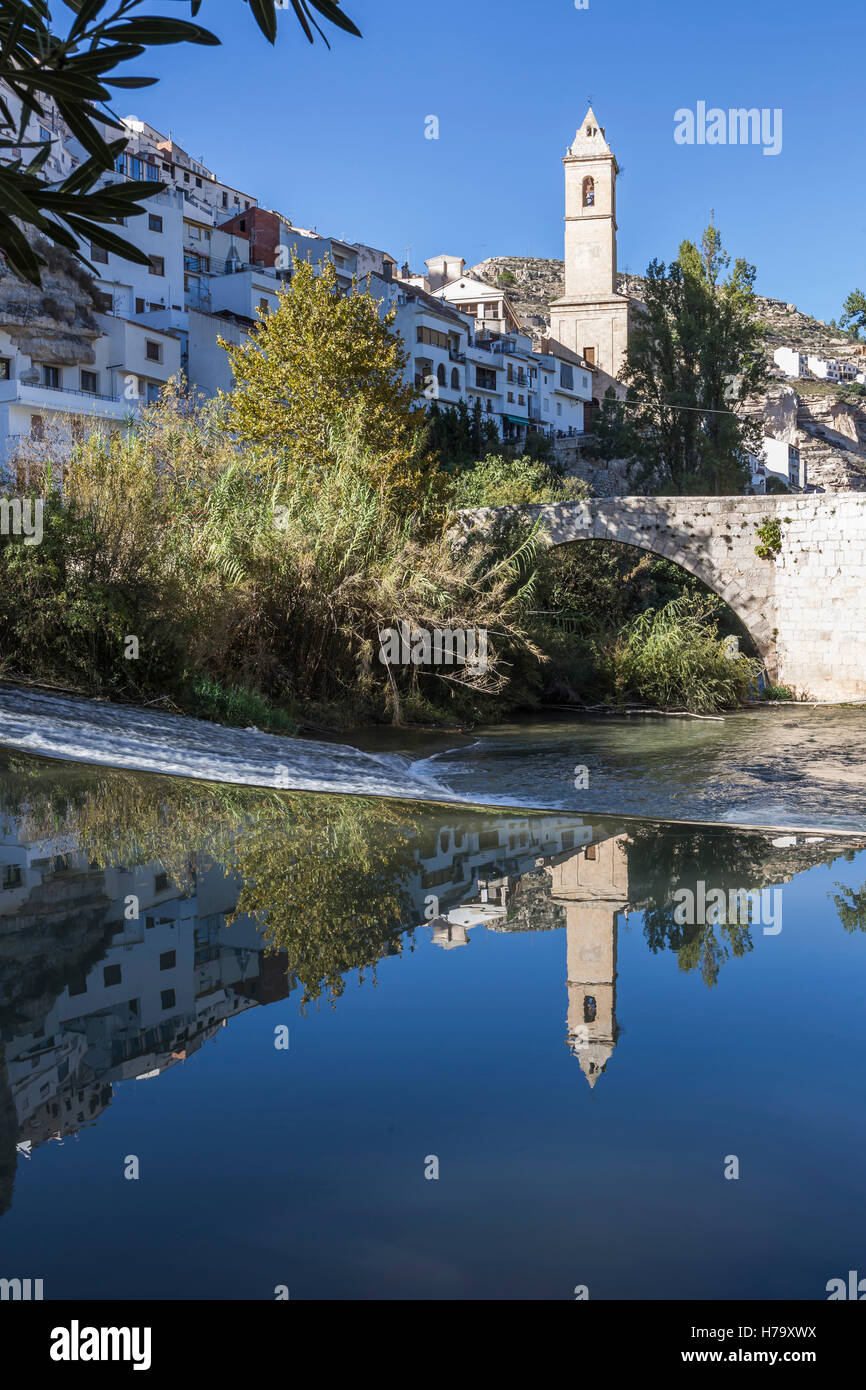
592,885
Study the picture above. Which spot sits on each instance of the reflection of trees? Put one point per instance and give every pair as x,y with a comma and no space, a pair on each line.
662,860
326,876
851,907
328,881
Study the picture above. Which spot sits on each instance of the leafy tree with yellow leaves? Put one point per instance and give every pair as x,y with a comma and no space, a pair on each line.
326,366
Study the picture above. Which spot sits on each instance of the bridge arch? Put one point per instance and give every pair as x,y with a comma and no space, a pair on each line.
714,547
804,604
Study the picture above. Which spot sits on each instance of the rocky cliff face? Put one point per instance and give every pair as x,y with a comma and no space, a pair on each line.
826,423
55,323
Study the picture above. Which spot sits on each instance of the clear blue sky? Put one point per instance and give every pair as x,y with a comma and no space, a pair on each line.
336,139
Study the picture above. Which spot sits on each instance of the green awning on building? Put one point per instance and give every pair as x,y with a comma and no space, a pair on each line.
517,419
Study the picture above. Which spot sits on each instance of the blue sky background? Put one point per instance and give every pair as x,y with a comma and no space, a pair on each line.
336,139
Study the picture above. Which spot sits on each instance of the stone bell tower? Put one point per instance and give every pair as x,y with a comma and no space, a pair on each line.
591,318
592,883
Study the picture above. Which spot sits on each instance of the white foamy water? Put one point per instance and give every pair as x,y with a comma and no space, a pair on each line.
124,736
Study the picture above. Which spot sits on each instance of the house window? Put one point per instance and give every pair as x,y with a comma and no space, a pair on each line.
11,876
51,377
433,337
168,960
455,379
589,355
566,376
588,199
157,265
186,178
98,254
243,224
44,135
198,183
225,200
511,398
264,305
486,377
90,383
152,350
559,407
37,427
592,851
104,301
154,223
160,883
167,998
111,975
139,306
5,368
440,374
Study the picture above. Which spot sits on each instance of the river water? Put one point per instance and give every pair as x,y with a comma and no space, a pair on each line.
258,1041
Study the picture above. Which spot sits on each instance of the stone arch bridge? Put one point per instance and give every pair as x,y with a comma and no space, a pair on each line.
805,609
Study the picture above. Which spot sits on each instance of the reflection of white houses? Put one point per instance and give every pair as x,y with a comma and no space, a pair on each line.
471,867
167,979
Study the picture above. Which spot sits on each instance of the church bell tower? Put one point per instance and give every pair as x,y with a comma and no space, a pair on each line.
591,318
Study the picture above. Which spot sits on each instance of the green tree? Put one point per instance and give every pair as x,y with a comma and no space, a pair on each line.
854,312
77,71
460,436
851,906
322,367
694,358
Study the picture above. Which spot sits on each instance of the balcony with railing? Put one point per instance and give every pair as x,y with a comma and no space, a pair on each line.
64,400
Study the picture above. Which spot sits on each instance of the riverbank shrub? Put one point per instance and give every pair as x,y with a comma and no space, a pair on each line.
181,564
673,657
500,481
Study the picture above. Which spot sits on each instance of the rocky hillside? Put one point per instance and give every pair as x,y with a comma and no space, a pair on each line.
827,423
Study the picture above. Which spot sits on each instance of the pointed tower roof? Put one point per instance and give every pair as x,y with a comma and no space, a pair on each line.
593,1057
590,138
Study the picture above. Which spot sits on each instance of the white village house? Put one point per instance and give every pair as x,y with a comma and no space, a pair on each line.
215,260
